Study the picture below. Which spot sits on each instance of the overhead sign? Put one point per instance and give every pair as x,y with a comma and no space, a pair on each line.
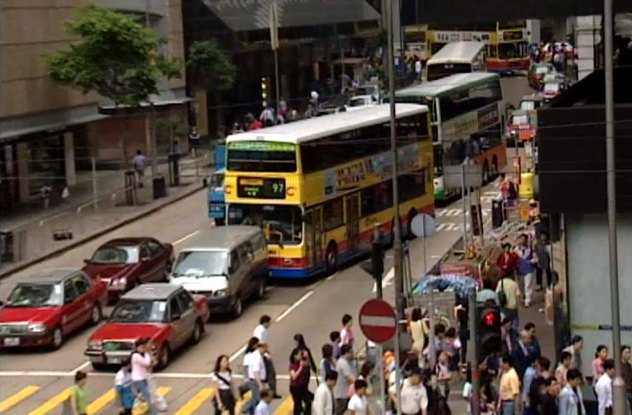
453,176
378,321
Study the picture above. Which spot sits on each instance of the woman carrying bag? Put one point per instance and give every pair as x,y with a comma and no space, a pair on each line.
223,378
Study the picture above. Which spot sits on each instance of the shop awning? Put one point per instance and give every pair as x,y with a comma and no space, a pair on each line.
250,15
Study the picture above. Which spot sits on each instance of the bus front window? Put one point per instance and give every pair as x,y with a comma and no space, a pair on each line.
281,224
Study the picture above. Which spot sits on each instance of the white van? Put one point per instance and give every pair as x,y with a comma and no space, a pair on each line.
227,264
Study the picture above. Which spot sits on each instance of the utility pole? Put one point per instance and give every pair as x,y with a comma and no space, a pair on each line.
618,385
149,121
397,237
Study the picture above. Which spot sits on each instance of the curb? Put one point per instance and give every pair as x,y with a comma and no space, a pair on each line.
100,232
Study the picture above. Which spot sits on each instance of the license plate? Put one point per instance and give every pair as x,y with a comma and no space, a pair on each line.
114,360
12,341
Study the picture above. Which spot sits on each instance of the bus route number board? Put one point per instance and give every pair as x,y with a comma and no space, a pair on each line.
261,188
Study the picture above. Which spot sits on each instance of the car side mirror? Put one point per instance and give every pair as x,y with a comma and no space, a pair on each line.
175,317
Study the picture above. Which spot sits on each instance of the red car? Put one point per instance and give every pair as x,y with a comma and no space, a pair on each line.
127,262
44,309
164,313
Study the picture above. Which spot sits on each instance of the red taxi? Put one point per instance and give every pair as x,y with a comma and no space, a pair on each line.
128,262
43,309
552,89
164,313
519,128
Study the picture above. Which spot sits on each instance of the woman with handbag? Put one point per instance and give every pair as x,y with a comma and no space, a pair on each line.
223,378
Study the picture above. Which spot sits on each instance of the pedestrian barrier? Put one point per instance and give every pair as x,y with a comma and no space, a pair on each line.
108,399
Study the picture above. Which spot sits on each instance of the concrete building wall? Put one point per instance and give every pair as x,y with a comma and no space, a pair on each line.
587,35
588,280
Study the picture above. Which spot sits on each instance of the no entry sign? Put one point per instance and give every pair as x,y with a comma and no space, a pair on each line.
378,321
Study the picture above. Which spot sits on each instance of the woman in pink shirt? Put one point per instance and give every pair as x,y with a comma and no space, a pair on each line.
346,335
601,356
141,369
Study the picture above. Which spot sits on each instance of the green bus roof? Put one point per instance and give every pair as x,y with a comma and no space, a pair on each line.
445,85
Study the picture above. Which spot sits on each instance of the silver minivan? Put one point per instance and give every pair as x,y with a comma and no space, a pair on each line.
227,264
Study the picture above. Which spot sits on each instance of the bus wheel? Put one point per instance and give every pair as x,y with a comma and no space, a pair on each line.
485,172
331,258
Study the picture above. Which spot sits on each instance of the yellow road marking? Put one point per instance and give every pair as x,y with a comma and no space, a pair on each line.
52,403
286,407
101,402
241,402
194,403
163,390
16,398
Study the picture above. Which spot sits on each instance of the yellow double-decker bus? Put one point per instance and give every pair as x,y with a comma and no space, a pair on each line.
317,187
509,48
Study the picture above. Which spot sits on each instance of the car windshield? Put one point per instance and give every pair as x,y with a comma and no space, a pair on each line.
552,87
35,295
201,264
139,311
281,224
520,120
527,105
358,102
110,255
217,181
541,70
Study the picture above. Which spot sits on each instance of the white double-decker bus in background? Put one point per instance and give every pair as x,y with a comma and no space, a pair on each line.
467,116
457,57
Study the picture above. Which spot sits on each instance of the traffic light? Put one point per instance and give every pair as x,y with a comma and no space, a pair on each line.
488,332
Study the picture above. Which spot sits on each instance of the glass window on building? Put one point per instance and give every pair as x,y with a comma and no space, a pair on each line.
46,164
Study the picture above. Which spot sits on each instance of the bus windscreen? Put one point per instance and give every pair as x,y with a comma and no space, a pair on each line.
438,71
256,156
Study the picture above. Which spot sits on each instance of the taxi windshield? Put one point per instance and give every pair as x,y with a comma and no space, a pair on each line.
520,120
527,105
139,311
35,295
111,255
552,87
541,70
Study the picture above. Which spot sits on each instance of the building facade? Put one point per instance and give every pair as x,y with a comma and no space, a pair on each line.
48,132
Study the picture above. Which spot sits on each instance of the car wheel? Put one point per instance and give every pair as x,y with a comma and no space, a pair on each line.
96,315
164,356
331,258
238,308
197,332
99,366
57,338
261,290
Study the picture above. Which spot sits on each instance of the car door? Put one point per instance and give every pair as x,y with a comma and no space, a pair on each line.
247,256
189,314
159,258
146,269
71,311
234,275
176,322
84,299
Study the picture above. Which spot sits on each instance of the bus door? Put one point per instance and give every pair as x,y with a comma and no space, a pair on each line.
352,209
314,235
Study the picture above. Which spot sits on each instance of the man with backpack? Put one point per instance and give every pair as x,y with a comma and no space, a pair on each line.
509,298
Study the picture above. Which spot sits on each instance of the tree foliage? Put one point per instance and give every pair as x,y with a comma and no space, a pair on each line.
210,67
114,56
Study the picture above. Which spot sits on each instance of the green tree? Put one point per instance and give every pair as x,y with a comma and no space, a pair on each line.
211,68
115,56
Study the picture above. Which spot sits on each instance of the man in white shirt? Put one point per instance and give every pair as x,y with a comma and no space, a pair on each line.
324,396
256,371
346,377
414,397
358,404
604,387
261,331
263,407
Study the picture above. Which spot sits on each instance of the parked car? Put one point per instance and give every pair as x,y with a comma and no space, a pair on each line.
128,262
45,308
164,313
536,73
227,265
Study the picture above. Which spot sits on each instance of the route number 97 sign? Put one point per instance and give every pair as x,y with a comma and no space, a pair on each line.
261,188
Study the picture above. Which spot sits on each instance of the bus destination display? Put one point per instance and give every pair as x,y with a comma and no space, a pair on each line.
261,188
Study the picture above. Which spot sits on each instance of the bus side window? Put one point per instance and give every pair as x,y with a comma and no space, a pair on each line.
333,214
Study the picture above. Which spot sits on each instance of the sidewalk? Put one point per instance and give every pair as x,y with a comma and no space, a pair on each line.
86,218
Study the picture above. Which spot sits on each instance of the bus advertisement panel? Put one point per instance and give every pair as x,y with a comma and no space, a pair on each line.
317,187
467,112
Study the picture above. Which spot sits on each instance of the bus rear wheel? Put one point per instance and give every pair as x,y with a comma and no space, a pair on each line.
331,258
